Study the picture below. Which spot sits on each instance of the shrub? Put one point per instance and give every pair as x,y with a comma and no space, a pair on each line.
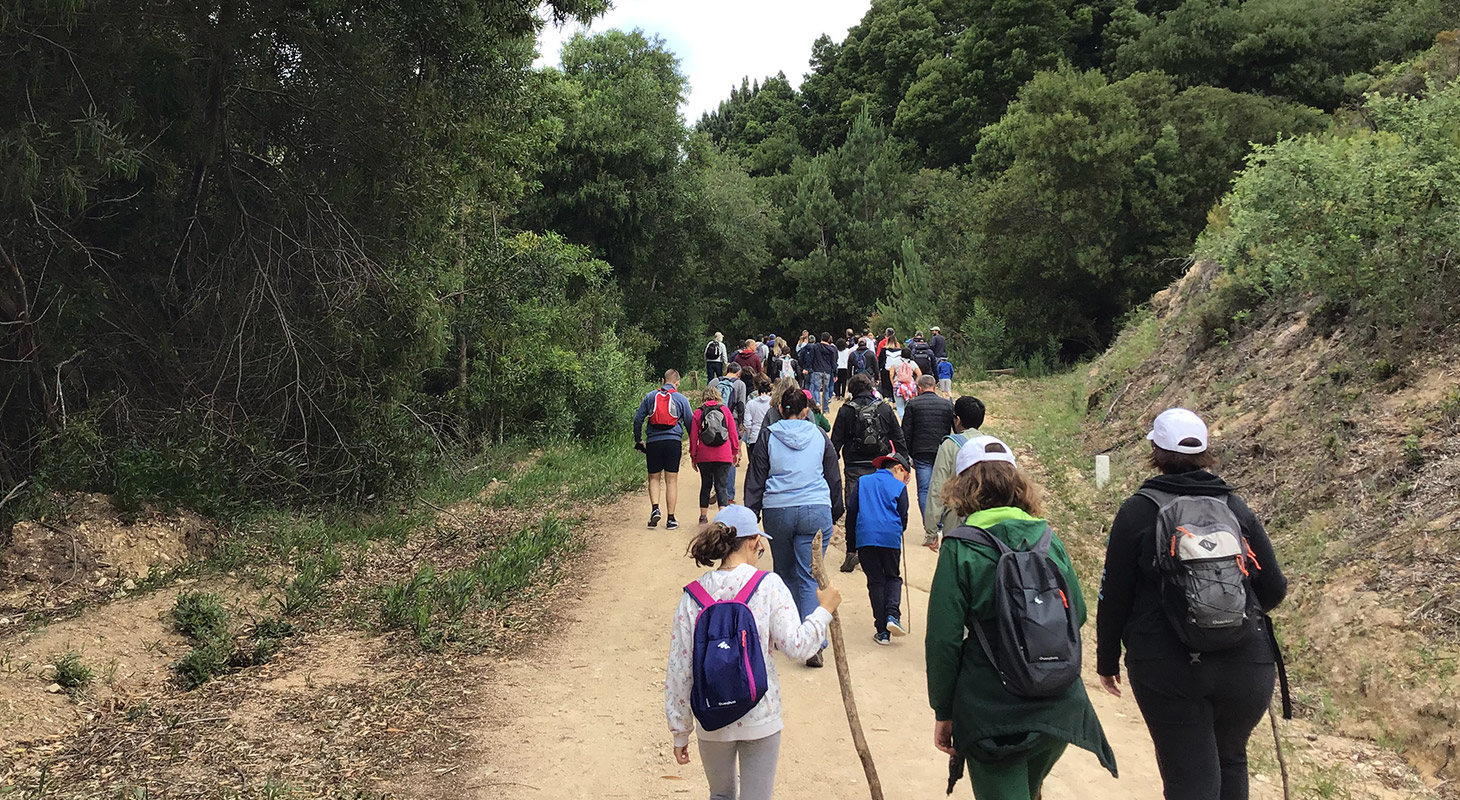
70,673
1369,220
433,606
200,617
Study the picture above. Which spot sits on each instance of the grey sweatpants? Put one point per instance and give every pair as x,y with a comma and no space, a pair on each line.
757,767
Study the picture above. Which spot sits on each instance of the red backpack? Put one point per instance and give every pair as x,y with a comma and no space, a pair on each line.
666,414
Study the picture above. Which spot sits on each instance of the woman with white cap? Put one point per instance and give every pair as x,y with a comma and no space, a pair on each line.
736,542
1008,740
1189,576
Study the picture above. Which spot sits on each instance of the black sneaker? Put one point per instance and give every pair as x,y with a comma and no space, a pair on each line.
654,518
672,524
815,662
851,562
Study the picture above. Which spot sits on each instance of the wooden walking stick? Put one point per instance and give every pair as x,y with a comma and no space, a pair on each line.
844,676
1281,759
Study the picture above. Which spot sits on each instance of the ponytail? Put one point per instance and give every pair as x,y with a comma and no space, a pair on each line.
714,543
793,403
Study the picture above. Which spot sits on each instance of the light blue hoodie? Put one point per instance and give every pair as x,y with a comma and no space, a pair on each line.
796,477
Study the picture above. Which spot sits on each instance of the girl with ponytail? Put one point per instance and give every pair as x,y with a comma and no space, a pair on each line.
736,543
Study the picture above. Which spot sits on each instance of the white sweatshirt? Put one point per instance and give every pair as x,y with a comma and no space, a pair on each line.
778,623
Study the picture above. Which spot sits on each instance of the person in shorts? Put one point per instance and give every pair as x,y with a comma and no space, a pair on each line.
667,414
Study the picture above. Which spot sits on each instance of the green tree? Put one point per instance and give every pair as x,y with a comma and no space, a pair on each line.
1299,49
1093,193
911,296
227,227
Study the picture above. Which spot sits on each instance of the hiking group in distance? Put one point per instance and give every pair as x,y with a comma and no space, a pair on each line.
1189,577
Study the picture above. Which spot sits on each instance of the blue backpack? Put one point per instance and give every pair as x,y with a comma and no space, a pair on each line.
728,666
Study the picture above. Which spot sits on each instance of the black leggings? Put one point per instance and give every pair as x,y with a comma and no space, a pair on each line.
715,475
854,472
1200,717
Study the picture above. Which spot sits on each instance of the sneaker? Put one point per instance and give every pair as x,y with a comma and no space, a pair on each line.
654,518
894,626
672,524
882,637
851,562
815,662
704,520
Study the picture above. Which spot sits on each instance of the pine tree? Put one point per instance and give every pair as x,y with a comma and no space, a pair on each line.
910,298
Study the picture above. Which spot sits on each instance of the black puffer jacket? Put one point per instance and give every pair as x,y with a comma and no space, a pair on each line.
926,419
1130,610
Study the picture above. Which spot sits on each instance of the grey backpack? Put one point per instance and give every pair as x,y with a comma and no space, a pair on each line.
1203,562
1037,649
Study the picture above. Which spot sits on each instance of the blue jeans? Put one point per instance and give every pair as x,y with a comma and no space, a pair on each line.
730,490
821,384
791,531
924,470
898,399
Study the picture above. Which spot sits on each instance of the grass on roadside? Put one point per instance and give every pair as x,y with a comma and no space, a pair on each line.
434,606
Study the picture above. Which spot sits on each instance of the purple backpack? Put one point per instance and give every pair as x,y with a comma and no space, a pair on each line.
729,667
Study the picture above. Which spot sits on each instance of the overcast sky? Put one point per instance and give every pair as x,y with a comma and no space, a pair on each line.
720,43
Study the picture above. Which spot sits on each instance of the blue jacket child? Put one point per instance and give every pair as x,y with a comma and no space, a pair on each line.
945,370
881,506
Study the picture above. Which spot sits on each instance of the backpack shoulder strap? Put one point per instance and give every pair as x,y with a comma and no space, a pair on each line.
1045,540
1159,497
743,596
697,591
968,533
957,438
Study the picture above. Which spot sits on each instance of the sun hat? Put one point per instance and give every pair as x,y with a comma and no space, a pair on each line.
1174,426
742,520
976,451
882,462
935,328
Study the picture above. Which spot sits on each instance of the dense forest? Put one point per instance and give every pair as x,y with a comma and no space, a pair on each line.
306,251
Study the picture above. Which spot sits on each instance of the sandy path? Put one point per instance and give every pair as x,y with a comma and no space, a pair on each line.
583,716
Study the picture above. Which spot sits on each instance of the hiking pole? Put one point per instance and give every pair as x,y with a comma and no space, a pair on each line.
1278,743
844,676
906,589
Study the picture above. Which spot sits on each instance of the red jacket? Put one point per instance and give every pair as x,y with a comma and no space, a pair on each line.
701,453
748,361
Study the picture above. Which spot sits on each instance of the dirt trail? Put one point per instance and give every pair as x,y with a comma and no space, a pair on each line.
583,716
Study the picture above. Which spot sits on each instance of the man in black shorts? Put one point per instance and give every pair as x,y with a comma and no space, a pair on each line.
668,415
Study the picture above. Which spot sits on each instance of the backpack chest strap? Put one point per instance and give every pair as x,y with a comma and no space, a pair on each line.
697,590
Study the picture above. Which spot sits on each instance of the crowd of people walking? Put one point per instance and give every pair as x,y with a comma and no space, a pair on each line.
1189,575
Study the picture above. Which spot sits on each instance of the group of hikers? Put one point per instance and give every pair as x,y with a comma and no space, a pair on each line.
1189,577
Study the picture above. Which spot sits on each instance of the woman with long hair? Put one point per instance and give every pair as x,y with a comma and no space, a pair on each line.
795,484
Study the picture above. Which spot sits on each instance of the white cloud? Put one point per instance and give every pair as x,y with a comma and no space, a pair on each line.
720,43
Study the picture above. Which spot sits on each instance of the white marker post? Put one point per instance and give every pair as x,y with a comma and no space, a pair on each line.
1102,471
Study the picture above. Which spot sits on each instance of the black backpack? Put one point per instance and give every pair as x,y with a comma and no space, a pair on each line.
1203,561
873,438
714,430
1038,652
712,351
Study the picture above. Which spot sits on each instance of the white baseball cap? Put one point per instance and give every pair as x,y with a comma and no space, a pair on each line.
1176,425
742,520
980,449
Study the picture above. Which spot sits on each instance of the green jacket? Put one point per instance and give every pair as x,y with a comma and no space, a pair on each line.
943,465
963,686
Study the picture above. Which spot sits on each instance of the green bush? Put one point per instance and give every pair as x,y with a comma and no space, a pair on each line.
1369,220
70,673
204,662
200,616
314,571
